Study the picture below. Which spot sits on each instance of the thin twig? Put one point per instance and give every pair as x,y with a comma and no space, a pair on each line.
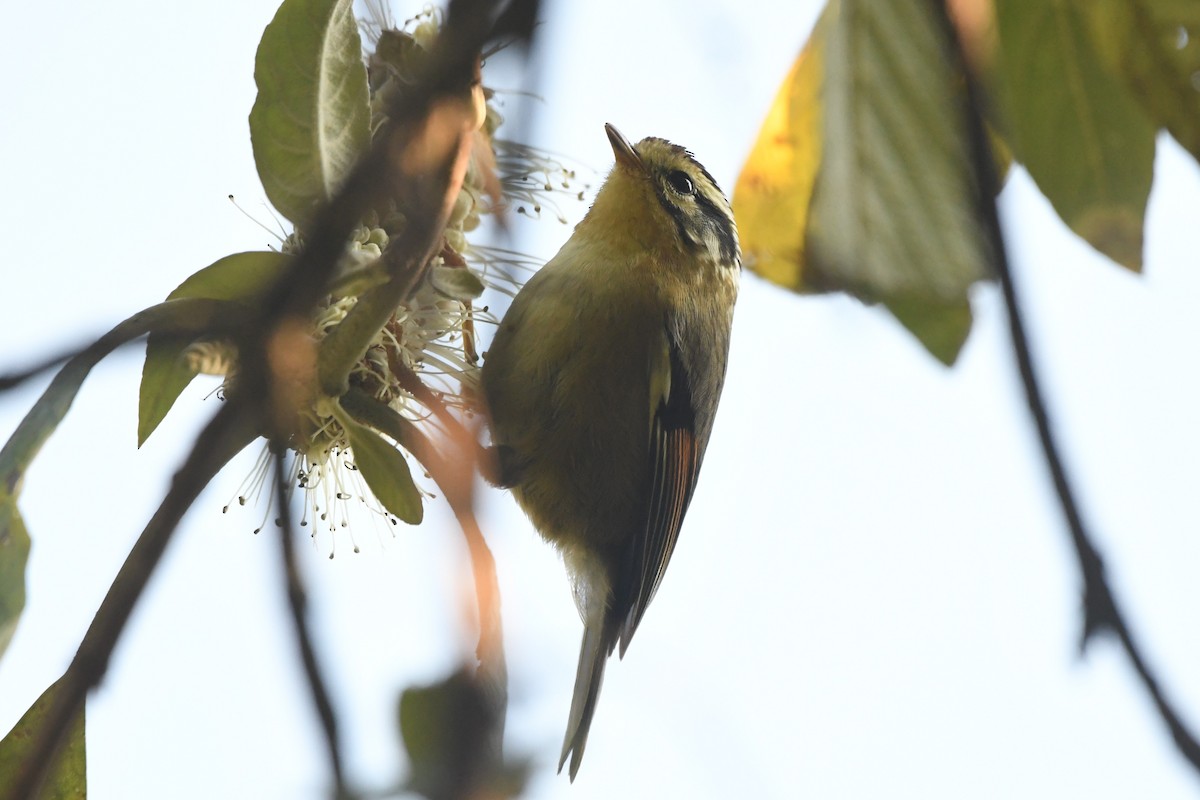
493,667
230,430
14,379
184,329
1100,609
298,605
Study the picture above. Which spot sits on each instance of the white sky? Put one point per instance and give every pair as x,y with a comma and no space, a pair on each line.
873,595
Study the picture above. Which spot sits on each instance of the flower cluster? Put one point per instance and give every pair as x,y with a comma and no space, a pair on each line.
432,334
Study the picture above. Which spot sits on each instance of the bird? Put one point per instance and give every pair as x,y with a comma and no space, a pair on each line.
602,382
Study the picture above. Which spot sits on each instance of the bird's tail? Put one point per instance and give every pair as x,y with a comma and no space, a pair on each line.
597,645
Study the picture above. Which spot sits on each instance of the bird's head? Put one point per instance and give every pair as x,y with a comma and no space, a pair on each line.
659,198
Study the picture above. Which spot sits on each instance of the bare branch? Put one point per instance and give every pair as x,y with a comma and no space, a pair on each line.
298,605
1100,609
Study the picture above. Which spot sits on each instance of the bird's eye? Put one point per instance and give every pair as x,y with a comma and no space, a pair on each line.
680,182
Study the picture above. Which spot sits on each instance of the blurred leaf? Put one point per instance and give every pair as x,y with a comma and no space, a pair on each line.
1155,48
14,553
1084,140
166,374
894,217
447,728
385,469
312,117
67,780
772,195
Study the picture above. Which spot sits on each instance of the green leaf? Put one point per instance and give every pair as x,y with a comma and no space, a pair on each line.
385,469
895,215
1072,123
67,779
457,283
311,120
1154,47
14,553
166,374
446,727
942,329
234,277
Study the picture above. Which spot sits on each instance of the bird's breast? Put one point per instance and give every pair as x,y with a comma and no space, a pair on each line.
572,401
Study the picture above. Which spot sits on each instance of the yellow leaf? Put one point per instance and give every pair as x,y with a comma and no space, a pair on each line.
862,179
772,195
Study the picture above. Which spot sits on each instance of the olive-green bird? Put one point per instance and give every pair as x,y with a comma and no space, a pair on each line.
602,384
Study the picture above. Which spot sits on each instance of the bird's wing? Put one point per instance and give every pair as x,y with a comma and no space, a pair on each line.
675,457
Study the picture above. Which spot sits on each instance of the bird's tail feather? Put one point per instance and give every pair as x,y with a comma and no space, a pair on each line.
597,645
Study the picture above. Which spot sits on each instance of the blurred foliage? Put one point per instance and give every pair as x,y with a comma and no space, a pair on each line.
880,228
452,734
1083,138
14,552
67,779
1153,47
858,181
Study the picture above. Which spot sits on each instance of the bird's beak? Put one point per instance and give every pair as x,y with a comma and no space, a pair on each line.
623,150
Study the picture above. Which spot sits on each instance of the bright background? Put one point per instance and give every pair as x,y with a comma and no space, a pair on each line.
874,595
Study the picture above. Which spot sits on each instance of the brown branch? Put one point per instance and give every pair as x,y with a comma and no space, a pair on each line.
230,430
298,606
493,667
198,317
14,379
1100,609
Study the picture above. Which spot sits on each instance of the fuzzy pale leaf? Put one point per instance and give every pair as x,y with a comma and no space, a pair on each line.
895,212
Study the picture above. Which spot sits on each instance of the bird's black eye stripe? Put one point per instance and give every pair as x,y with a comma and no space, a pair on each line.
722,226
680,182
